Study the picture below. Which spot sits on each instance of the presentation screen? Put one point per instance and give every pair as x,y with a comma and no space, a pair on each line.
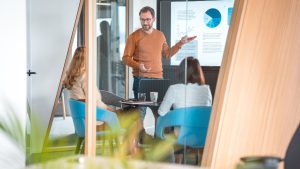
209,21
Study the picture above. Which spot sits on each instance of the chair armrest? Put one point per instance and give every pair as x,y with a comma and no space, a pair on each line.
110,118
159,131
170,119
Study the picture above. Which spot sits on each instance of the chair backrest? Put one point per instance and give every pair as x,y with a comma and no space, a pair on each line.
66,97
77,111
292,155
154,85
78,115
192,122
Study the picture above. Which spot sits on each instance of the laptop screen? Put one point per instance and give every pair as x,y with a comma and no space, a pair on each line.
154,85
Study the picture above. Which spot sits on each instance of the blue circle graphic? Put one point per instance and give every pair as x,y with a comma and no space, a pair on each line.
212,18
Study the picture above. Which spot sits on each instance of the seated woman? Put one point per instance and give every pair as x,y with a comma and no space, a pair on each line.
193,92
76,82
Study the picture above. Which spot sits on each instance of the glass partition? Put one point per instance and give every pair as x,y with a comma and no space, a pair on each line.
111,31
186,87
188,78
193,70
191,73
209,21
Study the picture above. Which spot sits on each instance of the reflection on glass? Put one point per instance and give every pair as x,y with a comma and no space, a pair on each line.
209,21
110,27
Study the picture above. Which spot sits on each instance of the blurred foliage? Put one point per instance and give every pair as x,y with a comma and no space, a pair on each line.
152,150
12,138
11,126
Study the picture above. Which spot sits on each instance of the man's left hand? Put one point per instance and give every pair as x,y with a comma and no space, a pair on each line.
187,39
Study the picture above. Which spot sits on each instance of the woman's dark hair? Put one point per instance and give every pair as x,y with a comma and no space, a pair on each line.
192,71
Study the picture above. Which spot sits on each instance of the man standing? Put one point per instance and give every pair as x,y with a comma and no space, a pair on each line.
144,49
103,54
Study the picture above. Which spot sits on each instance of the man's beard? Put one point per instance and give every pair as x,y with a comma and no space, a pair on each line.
146,27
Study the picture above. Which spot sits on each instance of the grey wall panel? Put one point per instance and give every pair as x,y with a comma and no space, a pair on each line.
51,24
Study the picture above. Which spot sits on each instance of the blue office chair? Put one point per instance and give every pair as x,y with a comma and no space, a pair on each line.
192,122
292,155
78,115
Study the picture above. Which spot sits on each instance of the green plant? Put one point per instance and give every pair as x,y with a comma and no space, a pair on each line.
12,138
12,152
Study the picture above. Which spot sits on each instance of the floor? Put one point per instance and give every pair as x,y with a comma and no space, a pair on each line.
64,127
62,141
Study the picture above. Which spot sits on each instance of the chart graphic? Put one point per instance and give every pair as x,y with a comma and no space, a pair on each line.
212,17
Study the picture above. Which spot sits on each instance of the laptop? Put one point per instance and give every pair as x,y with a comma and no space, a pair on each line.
154,85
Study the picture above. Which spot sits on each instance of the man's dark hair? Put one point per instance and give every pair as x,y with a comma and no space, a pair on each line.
104,27
146,9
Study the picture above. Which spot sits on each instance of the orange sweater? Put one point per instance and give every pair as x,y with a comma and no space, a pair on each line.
148,49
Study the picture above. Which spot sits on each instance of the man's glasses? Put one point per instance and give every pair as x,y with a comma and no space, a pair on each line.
145,20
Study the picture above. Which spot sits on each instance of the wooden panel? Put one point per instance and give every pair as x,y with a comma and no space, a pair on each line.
256,108
90,44
59,90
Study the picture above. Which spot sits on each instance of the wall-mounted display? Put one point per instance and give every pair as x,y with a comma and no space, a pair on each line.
209,20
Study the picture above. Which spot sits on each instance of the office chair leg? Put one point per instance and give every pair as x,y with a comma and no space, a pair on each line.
183,157
103,145
79,142
117,142
178,158
111,144
82,149
197,157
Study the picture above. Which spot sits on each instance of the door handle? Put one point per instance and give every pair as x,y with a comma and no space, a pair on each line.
30,72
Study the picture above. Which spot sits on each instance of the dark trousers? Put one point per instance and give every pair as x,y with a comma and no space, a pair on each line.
135,88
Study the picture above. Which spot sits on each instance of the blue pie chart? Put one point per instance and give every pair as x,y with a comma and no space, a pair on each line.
212,18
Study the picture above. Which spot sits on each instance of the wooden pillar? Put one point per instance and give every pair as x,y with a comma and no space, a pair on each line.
256,108
90,44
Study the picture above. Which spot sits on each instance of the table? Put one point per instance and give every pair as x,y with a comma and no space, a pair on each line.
140,103
152,105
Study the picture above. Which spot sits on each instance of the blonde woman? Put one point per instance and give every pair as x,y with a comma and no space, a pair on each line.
76,82
76,79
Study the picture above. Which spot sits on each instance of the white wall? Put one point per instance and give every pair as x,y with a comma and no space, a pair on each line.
13,77
51,24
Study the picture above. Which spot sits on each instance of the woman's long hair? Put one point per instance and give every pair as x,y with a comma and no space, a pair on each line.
76,68
192,70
